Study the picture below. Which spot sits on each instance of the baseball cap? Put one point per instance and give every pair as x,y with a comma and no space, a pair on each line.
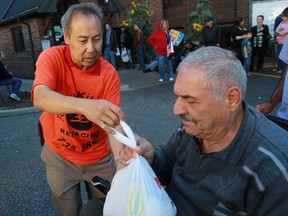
208,18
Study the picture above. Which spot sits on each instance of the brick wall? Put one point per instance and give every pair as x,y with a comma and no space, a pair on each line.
21,64
225,12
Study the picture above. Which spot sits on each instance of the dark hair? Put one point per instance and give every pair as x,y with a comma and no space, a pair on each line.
238,21
86,8
286,9
188,42
261,16
285,13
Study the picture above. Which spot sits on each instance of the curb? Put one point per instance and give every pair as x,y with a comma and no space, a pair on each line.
20,111
26,110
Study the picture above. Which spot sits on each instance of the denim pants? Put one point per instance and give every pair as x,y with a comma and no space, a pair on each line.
109,55
247,63
281,65
163,60
16,82
153,65
140,55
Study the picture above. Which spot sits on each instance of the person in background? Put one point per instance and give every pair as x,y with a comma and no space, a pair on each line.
280,92
79,93
260,41
225,151
277,21
237,35
126,41
138,45
160,39
7,78
246,49
211,35
281,34
189,47
110,44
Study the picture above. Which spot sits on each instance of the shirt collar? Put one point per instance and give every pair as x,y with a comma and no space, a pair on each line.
67,55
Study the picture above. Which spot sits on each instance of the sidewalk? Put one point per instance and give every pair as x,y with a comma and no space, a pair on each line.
130,80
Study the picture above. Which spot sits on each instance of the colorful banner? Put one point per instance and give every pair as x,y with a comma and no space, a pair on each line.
176,37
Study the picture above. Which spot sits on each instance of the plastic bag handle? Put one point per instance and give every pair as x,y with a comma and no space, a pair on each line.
130,140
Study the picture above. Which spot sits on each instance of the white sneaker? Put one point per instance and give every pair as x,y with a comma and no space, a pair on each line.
161,80
15,97
171,79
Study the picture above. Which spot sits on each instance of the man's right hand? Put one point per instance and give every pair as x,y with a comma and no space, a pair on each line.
103,113
144,147
265,108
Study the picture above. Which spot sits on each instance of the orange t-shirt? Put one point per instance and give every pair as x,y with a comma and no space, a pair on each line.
73,136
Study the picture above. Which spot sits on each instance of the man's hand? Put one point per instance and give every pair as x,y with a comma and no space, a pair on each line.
265,108
103,113
144,147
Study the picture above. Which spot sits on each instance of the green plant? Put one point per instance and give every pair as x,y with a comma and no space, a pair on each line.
141,15
196,19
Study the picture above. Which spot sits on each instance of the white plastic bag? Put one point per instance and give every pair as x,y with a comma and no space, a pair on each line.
136,190
124,55
117,52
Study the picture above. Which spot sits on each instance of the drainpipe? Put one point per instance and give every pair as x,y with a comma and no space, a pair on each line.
31,41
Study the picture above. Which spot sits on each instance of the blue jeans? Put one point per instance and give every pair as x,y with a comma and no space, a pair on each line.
153,65
140,57
281,65
247,63
109,55
16,82
129,64
162,60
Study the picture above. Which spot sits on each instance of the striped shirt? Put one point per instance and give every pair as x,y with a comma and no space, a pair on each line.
258,40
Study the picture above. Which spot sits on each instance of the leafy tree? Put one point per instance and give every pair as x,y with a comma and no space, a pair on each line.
196,19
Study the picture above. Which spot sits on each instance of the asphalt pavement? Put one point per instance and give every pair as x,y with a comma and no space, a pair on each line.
148,106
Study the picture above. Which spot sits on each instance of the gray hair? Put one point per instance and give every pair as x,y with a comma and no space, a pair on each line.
86,8
221,68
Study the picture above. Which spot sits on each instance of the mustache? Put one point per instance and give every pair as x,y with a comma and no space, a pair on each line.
188,118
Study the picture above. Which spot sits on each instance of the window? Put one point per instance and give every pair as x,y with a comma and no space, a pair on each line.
18,40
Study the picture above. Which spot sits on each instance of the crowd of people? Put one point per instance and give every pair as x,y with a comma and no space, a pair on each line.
258,42
248,45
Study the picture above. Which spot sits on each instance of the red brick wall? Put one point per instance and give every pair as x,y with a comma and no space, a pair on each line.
225,12
21,64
